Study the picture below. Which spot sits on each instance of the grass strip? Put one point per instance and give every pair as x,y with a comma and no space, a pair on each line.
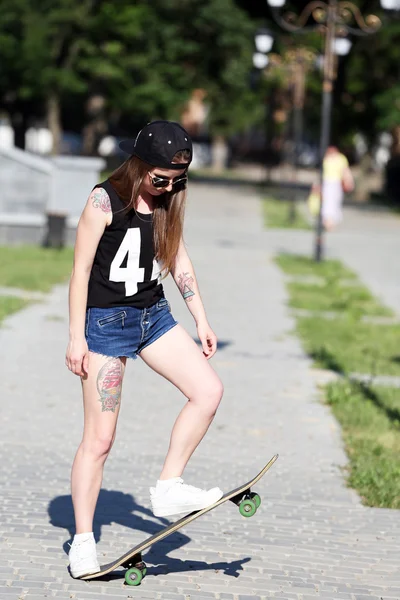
10,304
277,215
370,420
302,265
332,287
33,267
369,415
334,296
346,345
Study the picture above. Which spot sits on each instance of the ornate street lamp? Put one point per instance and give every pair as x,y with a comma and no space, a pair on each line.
335,19
260,60
264,40
294,64
391,4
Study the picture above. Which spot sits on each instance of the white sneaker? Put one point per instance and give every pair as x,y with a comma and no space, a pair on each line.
83,557
172,497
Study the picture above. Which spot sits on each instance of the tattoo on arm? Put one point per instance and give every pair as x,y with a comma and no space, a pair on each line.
101,200
109,384
185,284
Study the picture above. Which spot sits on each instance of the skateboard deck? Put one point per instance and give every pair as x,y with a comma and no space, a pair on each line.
247,501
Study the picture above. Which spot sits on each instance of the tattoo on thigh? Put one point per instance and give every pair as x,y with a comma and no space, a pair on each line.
109,384
185,284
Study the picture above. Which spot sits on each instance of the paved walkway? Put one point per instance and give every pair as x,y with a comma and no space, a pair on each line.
368,241
311,538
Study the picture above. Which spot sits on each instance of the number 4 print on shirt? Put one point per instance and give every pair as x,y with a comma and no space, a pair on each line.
132,274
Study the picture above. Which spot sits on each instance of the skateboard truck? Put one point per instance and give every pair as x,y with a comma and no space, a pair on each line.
248,502
136,569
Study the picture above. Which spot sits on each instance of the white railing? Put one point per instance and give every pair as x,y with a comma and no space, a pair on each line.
32,187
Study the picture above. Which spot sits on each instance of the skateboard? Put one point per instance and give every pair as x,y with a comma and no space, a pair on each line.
247,501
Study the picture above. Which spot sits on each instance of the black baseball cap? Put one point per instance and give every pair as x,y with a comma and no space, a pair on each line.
158,142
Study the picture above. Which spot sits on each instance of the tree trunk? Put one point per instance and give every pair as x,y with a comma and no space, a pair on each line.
96,125
92,133
395,149
89,137
219,153
54,121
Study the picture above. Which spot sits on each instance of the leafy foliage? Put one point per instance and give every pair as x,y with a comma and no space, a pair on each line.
143,58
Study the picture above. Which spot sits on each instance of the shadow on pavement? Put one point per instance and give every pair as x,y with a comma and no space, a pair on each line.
112,507
175,565
162,565
221,343
117,507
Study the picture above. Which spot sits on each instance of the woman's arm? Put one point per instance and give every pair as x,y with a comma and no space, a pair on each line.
185,278
94,219
347,180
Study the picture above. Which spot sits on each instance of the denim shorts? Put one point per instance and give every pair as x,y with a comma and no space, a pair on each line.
126,330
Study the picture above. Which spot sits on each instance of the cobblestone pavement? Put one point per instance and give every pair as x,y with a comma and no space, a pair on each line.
311,538
368,241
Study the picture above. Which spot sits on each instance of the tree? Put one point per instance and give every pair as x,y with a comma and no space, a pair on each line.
157,54
47,38
144,58
214,41
368,84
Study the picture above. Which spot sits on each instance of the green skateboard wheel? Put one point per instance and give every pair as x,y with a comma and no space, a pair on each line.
133,576
247,508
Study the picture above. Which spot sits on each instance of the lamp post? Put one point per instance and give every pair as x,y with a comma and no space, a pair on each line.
298,61
264,41
335,19
294,63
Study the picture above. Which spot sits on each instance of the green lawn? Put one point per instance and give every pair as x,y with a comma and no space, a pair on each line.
276,215
302,265
370,420
369,415
349,346
332,287
33,267
334,296
10,304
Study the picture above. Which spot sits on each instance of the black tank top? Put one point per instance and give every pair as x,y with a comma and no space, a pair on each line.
124,271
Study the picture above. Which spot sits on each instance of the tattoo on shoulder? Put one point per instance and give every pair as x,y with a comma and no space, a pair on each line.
109,384
100,199
185,284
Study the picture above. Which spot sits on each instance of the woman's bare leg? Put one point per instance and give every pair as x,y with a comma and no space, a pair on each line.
101,400
329,225
176,357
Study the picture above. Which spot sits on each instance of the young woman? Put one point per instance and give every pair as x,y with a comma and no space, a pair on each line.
129,233
337,178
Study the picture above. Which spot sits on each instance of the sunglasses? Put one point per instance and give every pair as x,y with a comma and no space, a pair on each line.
163,182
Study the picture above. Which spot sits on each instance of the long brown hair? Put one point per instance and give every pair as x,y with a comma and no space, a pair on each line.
169,210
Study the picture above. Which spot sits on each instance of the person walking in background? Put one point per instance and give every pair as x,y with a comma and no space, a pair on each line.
337,179
129,233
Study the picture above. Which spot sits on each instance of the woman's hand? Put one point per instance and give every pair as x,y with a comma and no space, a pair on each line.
208,339
77,357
